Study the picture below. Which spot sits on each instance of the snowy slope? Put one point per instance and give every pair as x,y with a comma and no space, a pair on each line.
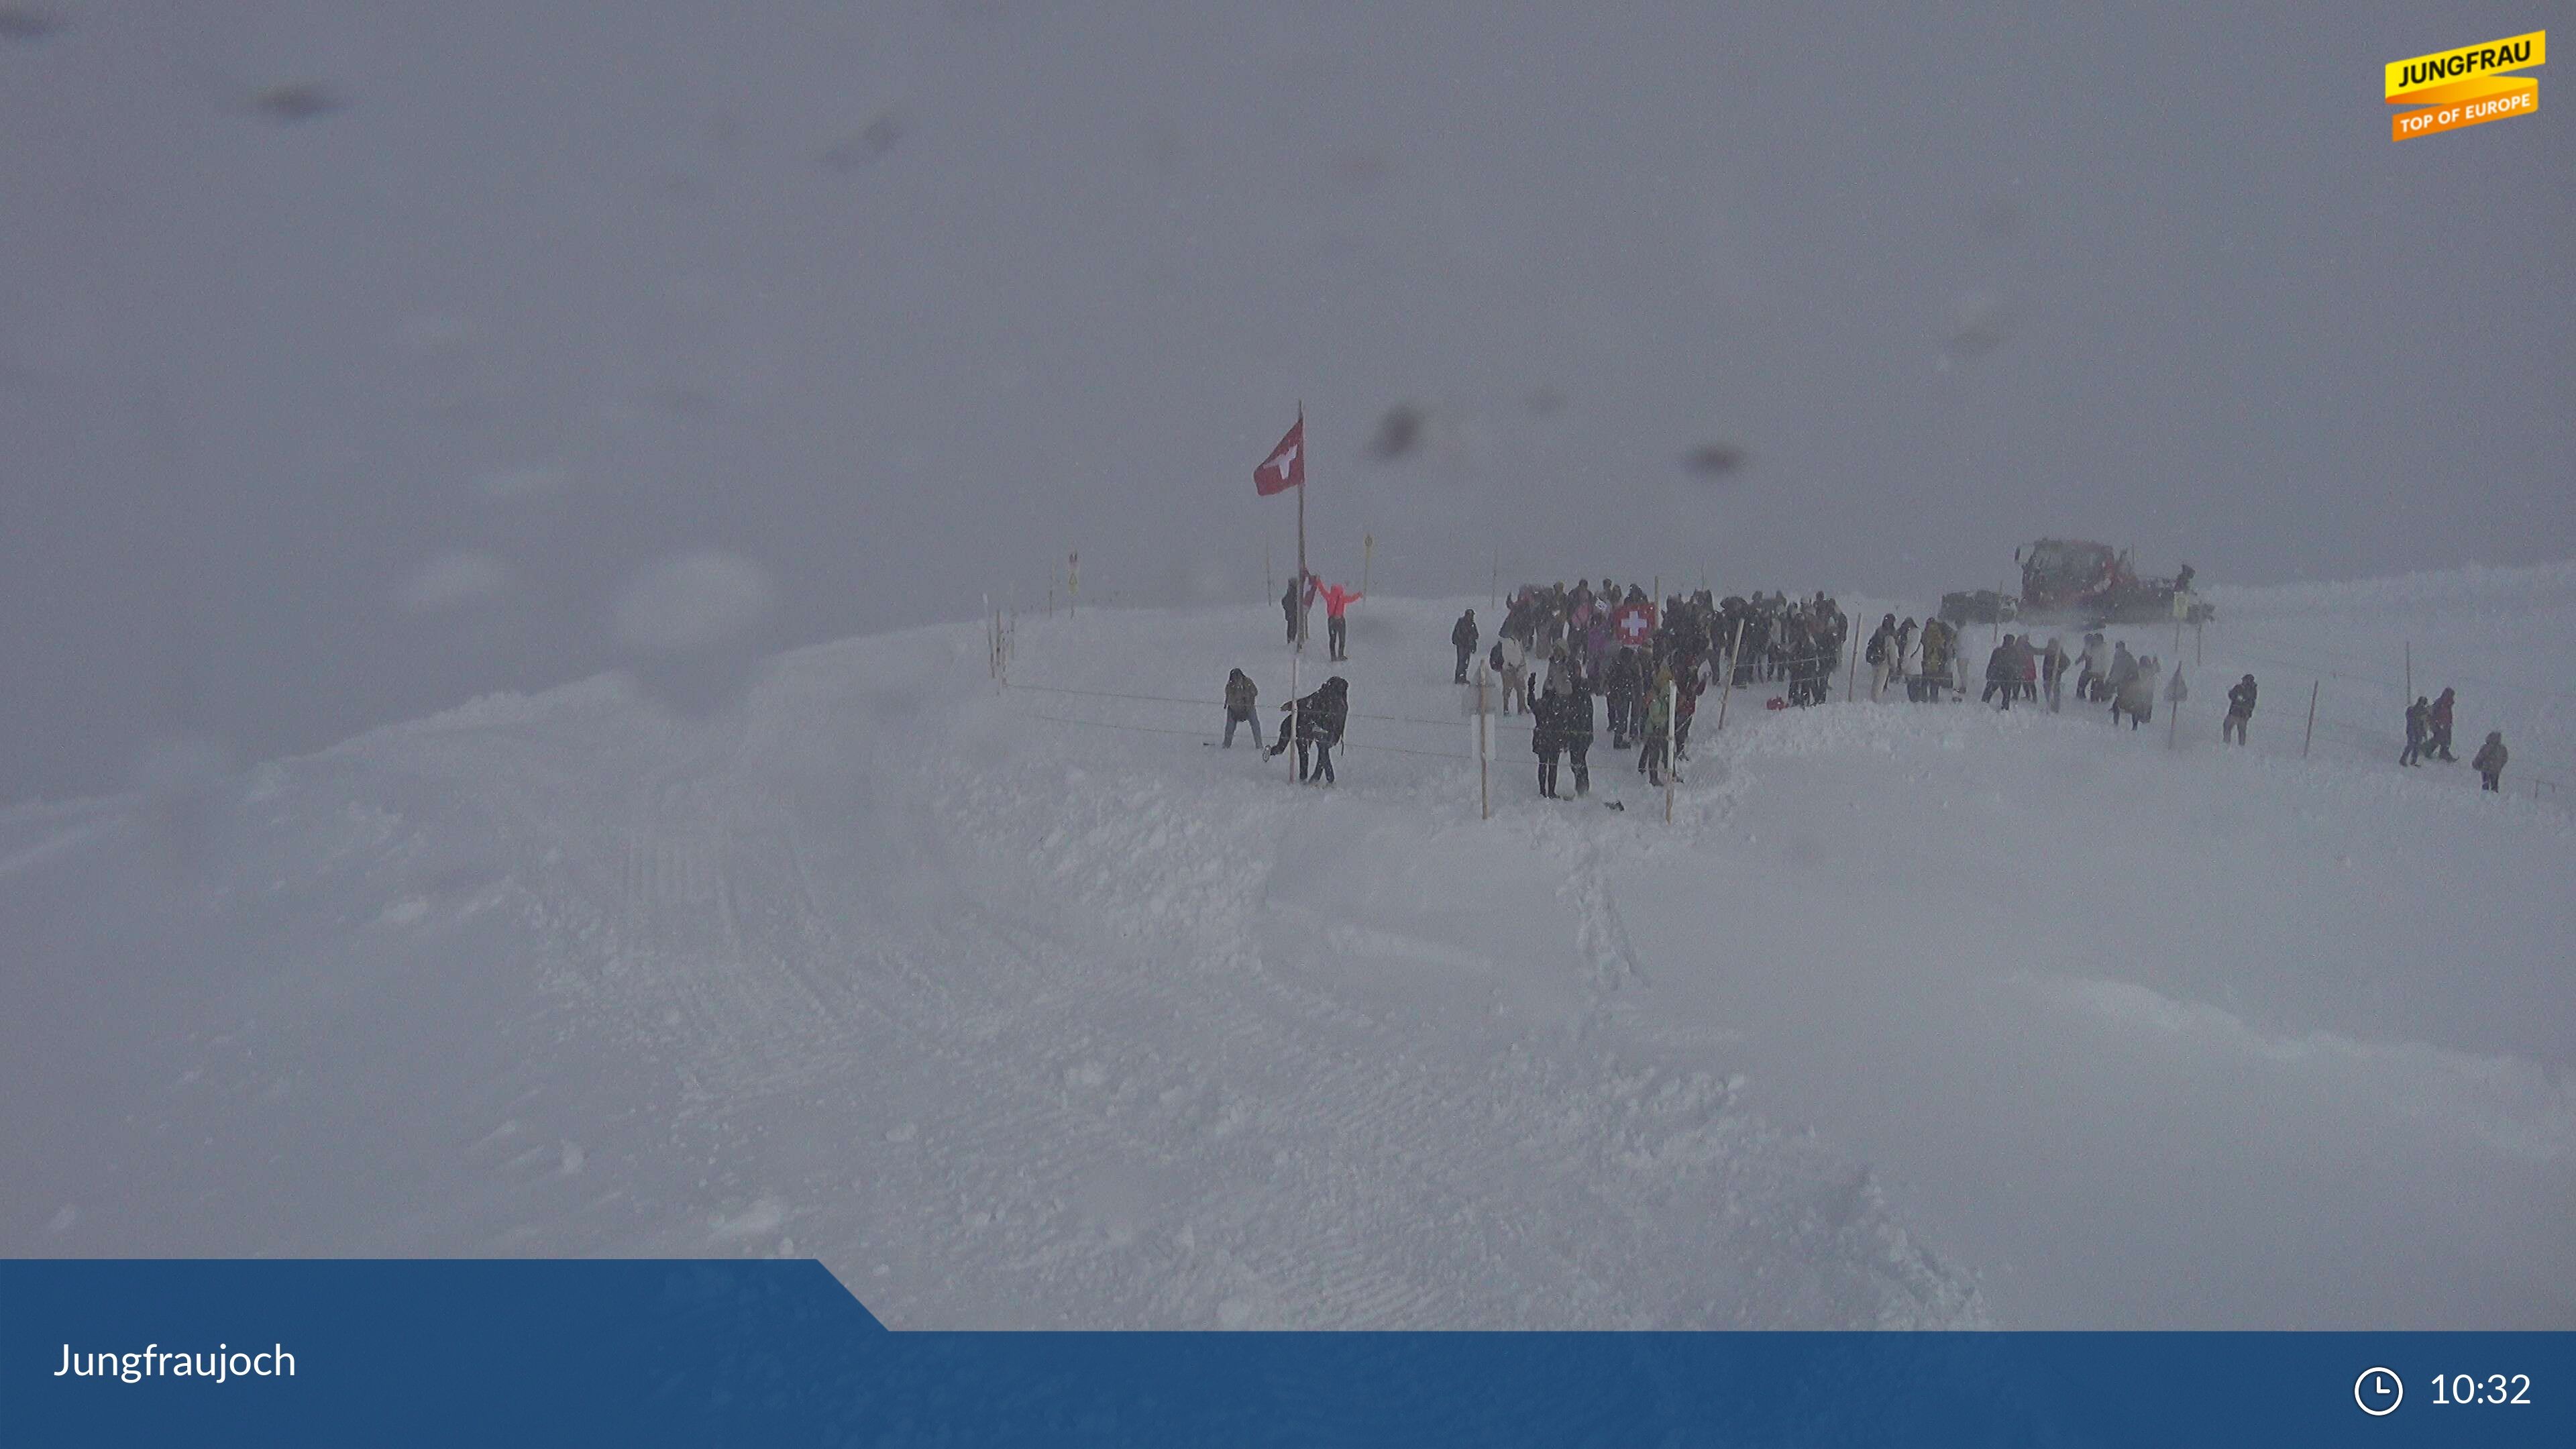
1027,1007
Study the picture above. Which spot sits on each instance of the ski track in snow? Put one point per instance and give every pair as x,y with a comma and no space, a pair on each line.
1016,1022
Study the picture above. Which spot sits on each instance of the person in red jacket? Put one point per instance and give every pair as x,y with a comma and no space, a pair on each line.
1336,628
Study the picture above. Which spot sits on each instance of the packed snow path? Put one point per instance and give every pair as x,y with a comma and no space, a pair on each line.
1032,1009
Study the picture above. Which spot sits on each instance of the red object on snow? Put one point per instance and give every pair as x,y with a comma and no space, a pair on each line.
1285,468
1775,702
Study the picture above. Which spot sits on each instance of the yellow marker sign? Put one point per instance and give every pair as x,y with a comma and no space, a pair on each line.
2465,87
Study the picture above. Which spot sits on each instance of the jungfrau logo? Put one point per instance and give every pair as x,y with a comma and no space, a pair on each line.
2465,87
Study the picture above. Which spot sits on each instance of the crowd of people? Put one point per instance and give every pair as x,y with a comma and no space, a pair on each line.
2428,737
1650,662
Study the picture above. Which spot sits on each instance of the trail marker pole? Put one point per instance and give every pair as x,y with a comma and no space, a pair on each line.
2410,671
1734,649
1368,549
1269,580
1484,748
1073,584
1672,731
2312,719
1851,676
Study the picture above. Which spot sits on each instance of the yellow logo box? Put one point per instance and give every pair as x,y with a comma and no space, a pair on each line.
2448,67
2465,87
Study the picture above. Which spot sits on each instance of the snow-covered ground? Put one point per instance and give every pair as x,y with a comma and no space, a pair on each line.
1028,1007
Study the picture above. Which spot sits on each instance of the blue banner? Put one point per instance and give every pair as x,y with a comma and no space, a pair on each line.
641,1353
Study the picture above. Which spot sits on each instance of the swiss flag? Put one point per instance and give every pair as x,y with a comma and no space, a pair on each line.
1285,468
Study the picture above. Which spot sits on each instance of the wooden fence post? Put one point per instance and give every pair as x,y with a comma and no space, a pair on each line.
2312,719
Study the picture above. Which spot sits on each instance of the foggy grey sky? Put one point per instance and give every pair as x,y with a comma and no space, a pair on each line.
320,424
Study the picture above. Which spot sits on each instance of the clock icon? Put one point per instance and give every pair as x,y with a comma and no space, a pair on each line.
2378,1392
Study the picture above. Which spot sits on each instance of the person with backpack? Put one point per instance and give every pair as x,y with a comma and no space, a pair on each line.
1879,655
1320,718
2419,716
2489,762
2240,708
1463,636
1240,698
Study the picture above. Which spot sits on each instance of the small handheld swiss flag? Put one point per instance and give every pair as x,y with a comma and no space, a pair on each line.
1285,468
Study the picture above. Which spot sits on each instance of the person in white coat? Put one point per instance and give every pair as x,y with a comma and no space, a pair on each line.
2091,667
1515,664
1560,672
1909,661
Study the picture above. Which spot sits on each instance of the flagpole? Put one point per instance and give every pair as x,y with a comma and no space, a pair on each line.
1295,687
1301,536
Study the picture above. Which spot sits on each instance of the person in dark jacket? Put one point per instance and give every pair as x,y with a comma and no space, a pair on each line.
2437,738
1619,684
2419,717
2003,673
1462,635
1288,606
1240,698
1574,727
2489,762
1319,718
2240,708
1547,741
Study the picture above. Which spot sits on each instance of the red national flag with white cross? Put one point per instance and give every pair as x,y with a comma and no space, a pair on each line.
1285,468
